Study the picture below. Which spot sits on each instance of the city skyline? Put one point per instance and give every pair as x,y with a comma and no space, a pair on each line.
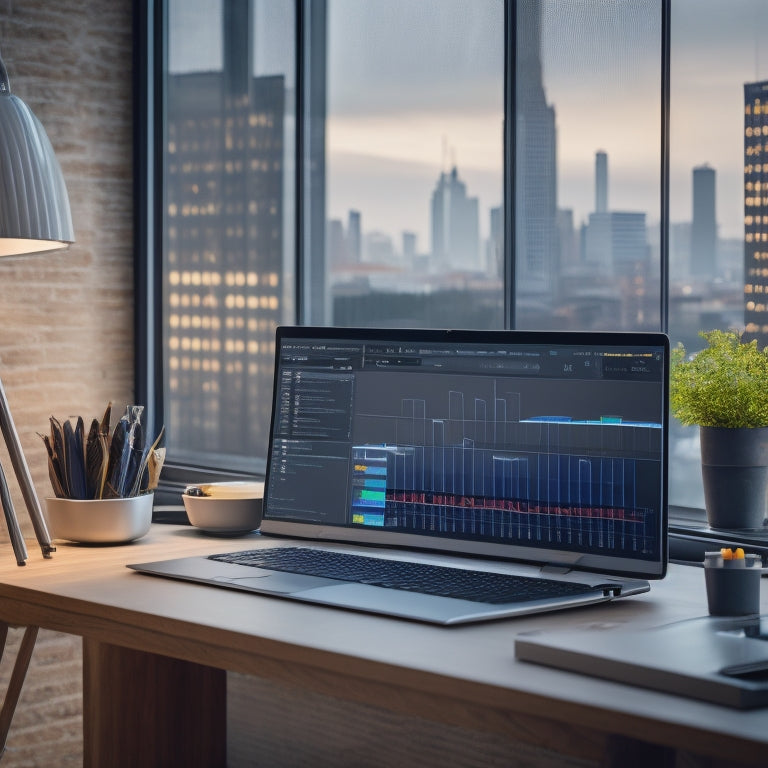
586,253
378,132
601,204
364,143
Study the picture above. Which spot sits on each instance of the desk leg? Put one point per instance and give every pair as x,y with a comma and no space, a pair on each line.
141,709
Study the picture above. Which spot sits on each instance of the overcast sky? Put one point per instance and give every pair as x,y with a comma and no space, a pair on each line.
417,84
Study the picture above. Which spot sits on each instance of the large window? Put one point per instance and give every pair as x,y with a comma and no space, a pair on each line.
716,167
588,137
575,164
227,223
414,176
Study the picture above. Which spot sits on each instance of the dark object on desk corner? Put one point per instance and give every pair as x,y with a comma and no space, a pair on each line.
720,660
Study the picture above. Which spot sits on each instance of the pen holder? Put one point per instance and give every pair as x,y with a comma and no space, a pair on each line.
733,591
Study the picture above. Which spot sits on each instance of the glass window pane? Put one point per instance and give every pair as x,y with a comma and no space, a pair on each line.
413,163
718,207
588,164
228,221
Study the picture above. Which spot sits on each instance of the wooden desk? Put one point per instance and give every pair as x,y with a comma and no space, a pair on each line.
155,651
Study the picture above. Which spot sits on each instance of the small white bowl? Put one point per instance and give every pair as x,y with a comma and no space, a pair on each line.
231,509
100,521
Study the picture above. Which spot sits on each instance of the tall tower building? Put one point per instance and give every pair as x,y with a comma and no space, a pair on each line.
224,259
601,182
704,224
614,241
336,247
756,210
409,247
495,262
224,248
455,224
354,237
536,243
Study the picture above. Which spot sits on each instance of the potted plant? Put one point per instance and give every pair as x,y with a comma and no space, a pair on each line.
724,389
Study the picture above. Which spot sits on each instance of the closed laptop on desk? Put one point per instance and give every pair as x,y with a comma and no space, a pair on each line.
516,453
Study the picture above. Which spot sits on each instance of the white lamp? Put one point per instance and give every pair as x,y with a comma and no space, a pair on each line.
34,206
34,217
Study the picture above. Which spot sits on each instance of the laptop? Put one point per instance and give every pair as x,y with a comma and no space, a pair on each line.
474,457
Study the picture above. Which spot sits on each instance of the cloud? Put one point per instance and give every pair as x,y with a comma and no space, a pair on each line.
402,55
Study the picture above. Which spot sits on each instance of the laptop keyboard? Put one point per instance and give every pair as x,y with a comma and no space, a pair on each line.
477,586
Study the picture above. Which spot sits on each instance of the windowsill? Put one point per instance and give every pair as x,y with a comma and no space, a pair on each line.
690,536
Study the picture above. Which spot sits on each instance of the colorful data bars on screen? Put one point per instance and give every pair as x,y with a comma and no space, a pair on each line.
369,492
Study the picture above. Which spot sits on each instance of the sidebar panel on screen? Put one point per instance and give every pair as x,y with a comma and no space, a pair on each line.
311,445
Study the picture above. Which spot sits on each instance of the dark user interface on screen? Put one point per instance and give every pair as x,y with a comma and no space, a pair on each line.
540,446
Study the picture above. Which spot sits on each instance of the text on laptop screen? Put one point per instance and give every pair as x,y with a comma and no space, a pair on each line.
550,441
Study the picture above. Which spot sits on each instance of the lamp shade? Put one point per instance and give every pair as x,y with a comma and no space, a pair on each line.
34,206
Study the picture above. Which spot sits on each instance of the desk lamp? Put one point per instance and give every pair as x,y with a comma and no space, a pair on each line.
34,217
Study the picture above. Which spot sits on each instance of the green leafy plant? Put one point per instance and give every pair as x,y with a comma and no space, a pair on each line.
723,385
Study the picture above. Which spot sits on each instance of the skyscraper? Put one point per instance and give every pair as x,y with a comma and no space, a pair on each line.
336,246
495,261
535,162
756,210
601,181
224,258
455,225
409,247
614,241
704,224
354,237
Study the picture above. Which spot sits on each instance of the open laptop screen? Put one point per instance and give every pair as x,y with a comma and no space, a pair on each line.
547,447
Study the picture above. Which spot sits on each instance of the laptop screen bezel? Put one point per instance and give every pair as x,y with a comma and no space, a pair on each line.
617,565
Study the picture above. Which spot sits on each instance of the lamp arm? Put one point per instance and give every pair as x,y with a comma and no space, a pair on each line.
12,522
23,476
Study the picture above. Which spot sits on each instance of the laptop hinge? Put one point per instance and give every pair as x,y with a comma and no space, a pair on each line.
609,587
556,569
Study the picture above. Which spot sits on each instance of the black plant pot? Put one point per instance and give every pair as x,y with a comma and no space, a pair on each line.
734,468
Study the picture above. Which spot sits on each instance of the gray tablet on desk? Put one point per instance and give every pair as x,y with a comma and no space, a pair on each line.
724,661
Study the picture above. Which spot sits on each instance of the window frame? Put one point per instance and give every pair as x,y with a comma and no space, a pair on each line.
149,64
149,56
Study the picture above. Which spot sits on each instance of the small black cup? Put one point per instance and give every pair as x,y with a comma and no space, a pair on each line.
733,591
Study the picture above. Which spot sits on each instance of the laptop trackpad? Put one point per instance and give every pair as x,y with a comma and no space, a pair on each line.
280,583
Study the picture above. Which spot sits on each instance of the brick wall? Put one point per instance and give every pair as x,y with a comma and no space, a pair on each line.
66,335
